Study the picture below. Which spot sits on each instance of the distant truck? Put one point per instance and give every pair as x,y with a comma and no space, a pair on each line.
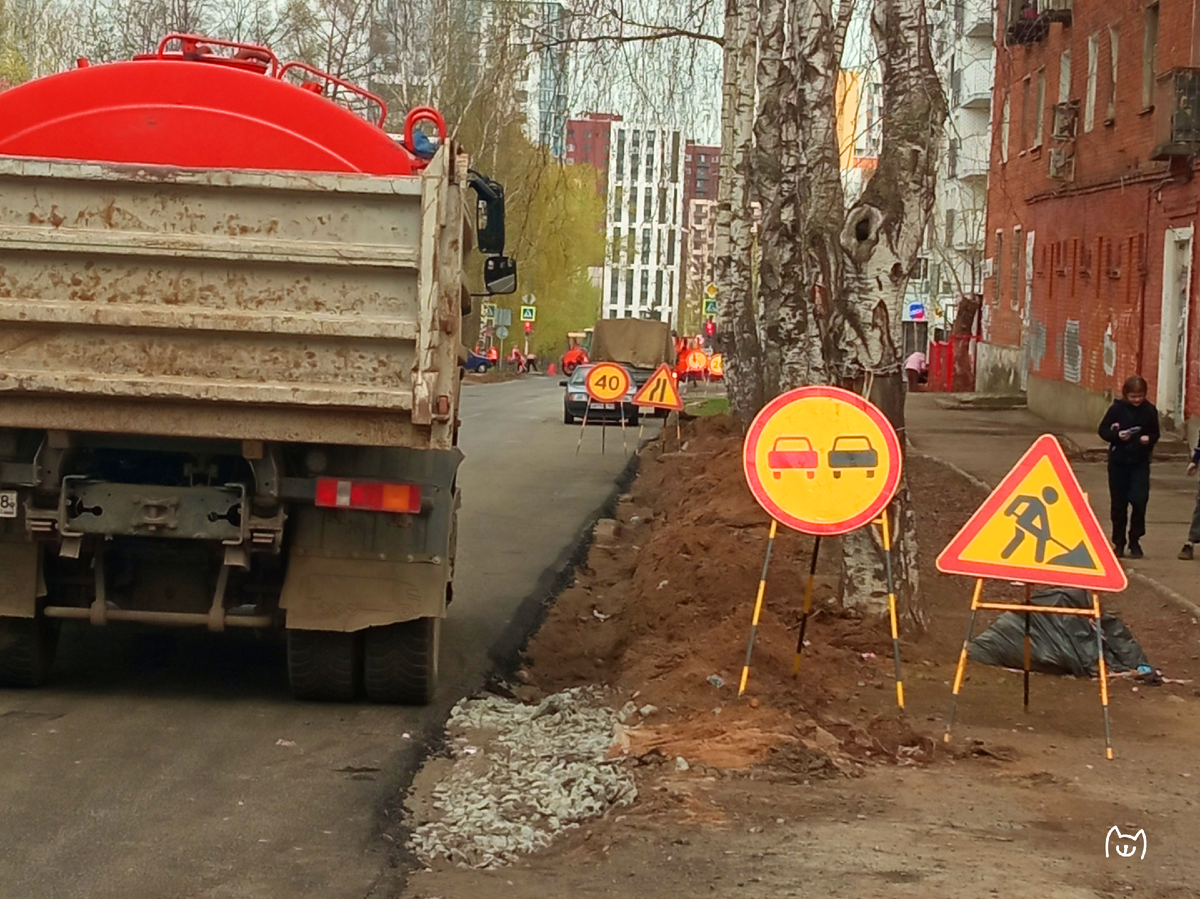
230,338
641,345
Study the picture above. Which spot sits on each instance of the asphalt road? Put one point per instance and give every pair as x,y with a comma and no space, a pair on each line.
165,764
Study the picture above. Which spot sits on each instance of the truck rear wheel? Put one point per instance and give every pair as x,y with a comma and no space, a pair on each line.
27,648
401,661
324,666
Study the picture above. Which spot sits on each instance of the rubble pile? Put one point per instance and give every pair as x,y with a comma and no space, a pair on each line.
521,775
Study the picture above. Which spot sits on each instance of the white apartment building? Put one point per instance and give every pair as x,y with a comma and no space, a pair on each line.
965,56
535,32
644,223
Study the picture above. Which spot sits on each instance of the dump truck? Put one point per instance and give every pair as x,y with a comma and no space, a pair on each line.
230,341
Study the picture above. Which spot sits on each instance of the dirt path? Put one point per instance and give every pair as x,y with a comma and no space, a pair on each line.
814,786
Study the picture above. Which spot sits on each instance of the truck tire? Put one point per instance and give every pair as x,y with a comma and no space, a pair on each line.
324,666
27,647
401,662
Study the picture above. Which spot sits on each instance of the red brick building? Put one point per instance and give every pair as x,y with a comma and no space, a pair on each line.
701,172
588,139
1092,206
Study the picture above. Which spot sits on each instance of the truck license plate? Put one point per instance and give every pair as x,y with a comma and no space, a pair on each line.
8,504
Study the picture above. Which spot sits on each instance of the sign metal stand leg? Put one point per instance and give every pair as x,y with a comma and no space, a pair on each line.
1103,670
641,431
962,658
624,440
583,427
892,614
808,595
1028,647
603,433
758,603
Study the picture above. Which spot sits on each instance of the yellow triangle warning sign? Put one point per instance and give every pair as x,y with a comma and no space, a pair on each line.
1036,527
660,392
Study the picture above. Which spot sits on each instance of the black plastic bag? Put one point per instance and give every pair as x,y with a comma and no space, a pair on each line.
1059,644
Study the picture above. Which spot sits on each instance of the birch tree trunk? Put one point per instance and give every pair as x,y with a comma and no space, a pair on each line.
738,327
880,241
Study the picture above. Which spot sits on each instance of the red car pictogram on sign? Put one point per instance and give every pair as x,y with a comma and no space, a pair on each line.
790,454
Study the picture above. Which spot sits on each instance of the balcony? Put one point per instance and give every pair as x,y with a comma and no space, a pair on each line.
980,26
1030,20
1177,114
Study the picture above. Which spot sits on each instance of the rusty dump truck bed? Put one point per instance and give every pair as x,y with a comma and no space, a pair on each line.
231,304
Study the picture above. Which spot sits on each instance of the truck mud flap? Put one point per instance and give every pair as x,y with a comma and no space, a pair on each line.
19,586
352,594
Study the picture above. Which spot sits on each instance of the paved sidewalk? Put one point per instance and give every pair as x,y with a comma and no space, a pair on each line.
987,443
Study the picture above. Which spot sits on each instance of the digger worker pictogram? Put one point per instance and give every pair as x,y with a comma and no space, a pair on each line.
1031,518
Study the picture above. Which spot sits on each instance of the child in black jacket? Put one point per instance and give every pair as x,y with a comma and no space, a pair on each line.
1131,429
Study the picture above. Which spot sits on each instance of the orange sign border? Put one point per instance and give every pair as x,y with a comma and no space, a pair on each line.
601,367
666,371
890,484
1112,580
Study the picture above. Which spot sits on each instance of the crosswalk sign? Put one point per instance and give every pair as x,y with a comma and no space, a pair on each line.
1037,528
710,307
488,312
660,391
528,313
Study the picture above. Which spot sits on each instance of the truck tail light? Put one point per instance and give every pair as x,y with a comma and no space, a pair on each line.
368,496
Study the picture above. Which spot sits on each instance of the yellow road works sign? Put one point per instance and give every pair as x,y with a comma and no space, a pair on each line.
660,392
822,460
607,382
1037,527
697,360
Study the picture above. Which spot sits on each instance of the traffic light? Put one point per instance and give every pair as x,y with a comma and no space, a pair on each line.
710,328
528,327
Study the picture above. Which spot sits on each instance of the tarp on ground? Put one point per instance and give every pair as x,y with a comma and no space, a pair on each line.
639,342
1059,644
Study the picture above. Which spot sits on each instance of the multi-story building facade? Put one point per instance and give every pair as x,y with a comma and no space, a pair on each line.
952,266
534,35
644,227
1092,207
589,139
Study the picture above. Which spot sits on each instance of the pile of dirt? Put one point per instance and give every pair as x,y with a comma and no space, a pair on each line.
661,611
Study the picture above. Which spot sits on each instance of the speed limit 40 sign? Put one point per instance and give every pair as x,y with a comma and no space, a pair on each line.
607,382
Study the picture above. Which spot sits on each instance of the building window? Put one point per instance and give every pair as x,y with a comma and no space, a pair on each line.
1025,111
671,248
949,236
629,286
648,211
614,283
1093,72
1018,250
646,246
998,266
1004,114
621,154
674,173
645,295
1064,77
1039,126
616,245
633,203
1114,43
658,288
629,247
662,205
618,203
1149,55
